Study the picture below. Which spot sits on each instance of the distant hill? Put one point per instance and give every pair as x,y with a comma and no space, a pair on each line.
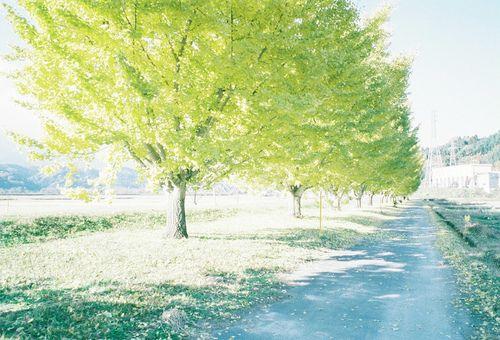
472,150
22,179
16,177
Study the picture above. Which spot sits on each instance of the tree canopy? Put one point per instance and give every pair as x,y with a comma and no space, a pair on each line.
355,134
296,93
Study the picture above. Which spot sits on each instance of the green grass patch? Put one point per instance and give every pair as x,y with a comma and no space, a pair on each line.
477,224
19,231
477,277
130,282
328,239
113,310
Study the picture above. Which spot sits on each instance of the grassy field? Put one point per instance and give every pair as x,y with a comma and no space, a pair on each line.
478,224
468,238
110,276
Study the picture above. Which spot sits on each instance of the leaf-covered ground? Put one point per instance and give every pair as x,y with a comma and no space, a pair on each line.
476,262
117,276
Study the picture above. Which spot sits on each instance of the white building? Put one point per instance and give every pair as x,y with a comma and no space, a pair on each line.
474,176
488,181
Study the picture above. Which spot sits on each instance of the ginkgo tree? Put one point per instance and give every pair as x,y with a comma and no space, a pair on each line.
294,93
359,136
314,142
382,139
389,156
179,87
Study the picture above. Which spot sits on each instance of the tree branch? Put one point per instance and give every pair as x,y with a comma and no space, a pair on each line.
153,153
134,155
163,154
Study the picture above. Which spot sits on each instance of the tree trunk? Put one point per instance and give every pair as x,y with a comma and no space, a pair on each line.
297,190
339,202
176,224
297,204
359,193
371,199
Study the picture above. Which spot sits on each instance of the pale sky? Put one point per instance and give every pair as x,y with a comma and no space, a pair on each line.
456,70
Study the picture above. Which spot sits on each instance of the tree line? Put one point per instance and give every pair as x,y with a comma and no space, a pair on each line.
296,95
471,149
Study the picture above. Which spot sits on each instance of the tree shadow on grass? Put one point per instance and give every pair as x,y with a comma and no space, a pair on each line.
307,238
368,221
115,310
369,214
314,238
39,310
15,231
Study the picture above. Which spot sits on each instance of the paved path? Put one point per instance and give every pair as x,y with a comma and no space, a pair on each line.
397,288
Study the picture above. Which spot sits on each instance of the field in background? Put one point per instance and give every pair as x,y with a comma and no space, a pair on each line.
43,205
469,239
477,223
119,277
464,195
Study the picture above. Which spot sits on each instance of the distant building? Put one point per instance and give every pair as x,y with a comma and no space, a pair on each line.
488,181
473,176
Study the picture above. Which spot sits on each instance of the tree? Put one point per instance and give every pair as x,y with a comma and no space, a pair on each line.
388,145
179,87
314,141
298,93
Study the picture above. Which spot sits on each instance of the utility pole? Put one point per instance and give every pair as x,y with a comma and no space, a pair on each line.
431,154
453,153
434,157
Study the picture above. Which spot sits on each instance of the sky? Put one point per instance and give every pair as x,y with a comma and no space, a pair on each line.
455,45
456,71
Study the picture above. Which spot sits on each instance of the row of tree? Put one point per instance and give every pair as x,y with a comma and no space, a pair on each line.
295,94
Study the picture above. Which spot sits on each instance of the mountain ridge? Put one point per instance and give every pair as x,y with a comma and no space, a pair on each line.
471,149
16,178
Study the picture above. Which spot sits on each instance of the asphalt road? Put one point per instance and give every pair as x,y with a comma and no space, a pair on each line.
398,288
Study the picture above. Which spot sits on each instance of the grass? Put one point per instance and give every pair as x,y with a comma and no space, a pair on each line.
114,310
477,270
117,277
19,231
477,224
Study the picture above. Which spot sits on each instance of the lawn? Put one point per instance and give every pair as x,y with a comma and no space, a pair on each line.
116,275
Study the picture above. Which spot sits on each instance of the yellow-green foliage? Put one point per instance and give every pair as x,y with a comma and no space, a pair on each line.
355,130
299,90
296,93
178,86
